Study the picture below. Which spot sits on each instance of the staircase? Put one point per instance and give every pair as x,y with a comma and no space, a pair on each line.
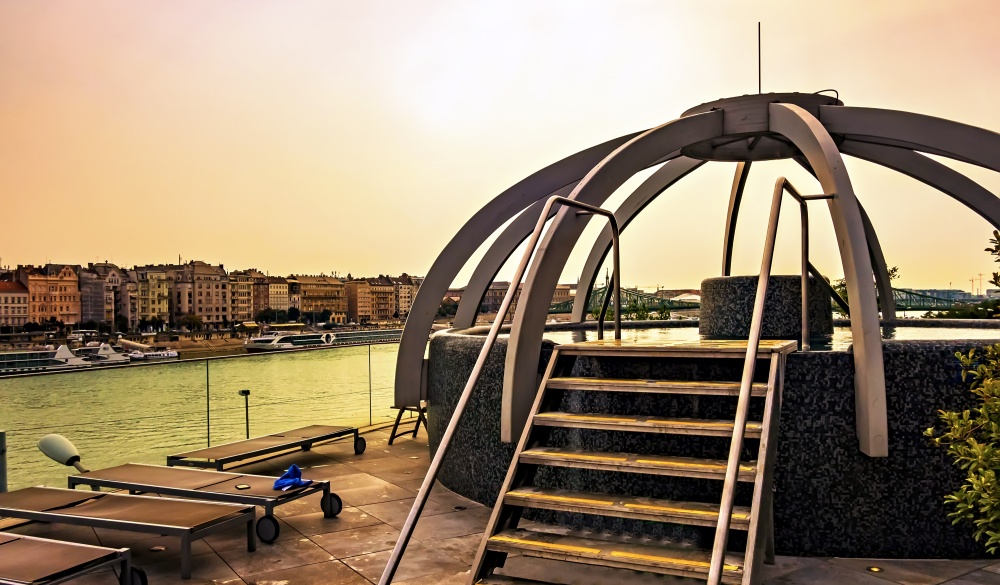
609,410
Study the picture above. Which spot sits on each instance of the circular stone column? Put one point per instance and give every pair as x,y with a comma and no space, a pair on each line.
727,308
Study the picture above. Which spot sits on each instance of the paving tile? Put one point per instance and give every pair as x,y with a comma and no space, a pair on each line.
326,573
358,541
306,505
461,548
394,513
315,523
826,573
580,574
284,553
442,526
993,568
205,569
171,553
783,565
446,578
914,572
446,497
374,492
420,560
976,578
235,538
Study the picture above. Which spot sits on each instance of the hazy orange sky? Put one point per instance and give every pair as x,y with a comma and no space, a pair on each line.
358,137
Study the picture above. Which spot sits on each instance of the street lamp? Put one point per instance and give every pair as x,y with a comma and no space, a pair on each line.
246,406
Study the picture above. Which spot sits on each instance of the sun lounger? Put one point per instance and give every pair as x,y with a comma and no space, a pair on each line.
186,519
214,486
304,438
28,560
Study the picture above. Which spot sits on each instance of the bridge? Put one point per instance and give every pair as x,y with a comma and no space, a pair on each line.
632,300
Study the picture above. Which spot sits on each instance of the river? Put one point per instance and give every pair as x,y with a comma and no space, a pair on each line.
143,414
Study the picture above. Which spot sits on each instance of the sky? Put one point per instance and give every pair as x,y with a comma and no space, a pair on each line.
357,137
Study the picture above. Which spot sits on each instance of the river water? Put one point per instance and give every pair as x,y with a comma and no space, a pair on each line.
142,414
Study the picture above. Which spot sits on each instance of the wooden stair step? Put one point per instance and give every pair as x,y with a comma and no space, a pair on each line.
702,348
656,510
758,389
635,463
658,558
645,424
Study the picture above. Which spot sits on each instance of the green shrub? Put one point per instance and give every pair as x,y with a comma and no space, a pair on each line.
972,438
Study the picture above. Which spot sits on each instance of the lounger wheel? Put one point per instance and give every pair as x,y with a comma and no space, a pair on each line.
331,505
268,529
359,445
138,577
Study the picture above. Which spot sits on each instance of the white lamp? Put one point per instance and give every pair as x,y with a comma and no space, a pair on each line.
62,451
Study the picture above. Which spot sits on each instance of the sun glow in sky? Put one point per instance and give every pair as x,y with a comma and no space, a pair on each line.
305,137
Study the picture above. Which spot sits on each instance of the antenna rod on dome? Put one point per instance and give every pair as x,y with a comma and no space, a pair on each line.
758,58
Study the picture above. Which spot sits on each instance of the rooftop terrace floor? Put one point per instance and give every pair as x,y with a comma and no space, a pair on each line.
378,488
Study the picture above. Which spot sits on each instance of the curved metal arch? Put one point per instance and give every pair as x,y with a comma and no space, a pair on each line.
928,134
644,194
735,199
487,220
813,140
883,284
932,173
523,349
501,249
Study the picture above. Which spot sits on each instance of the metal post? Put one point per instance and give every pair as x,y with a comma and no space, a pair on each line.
3,461
208,410
805,274
369,384
246,407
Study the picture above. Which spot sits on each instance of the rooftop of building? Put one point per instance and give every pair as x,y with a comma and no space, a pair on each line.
12,286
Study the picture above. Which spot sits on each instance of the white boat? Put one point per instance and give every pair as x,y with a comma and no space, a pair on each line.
289,341
34,361
284,342
102,355
163,354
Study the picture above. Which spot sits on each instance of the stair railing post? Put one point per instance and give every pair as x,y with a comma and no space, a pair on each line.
435,466
804,217
739,425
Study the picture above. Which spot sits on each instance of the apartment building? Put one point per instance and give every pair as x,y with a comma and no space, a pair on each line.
261,292
317,293
152,294
13,304
371,300
201,289
54,291
241,282
294,293
277,291
405,292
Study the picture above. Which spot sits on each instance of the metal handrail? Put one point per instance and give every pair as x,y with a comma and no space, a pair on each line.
753,344
435,466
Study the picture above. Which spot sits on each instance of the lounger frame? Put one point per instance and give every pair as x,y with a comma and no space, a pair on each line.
219,464
240,514
266,502
120,556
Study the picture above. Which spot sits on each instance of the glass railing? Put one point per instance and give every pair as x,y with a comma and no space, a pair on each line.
143,413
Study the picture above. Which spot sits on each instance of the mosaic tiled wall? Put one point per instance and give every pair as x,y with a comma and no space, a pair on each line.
830,499
727,307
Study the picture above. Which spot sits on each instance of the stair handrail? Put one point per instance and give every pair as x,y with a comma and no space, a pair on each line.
435,466
753,344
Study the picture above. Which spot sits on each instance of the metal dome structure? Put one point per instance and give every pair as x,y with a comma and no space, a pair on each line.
815,130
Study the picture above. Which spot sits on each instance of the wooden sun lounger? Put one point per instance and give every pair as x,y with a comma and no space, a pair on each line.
186,519
27,560
303,438
214,486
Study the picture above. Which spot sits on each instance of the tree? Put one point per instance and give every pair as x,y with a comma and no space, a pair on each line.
121,323
270,315
448,308
32,327
841,287
294,314
89,325
192,322
325,315
157,323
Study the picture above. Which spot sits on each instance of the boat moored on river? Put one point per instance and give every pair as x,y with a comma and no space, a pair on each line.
282,342
44,360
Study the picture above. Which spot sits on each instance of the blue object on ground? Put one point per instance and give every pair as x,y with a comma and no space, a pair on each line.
291,479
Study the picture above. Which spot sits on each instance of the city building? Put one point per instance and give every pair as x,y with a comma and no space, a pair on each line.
151,296
261,293
92,297
494,297
372,300
294,293
406,291
321,292
115,286
13,304
54,291
199,289
563,293
241,282
277,291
